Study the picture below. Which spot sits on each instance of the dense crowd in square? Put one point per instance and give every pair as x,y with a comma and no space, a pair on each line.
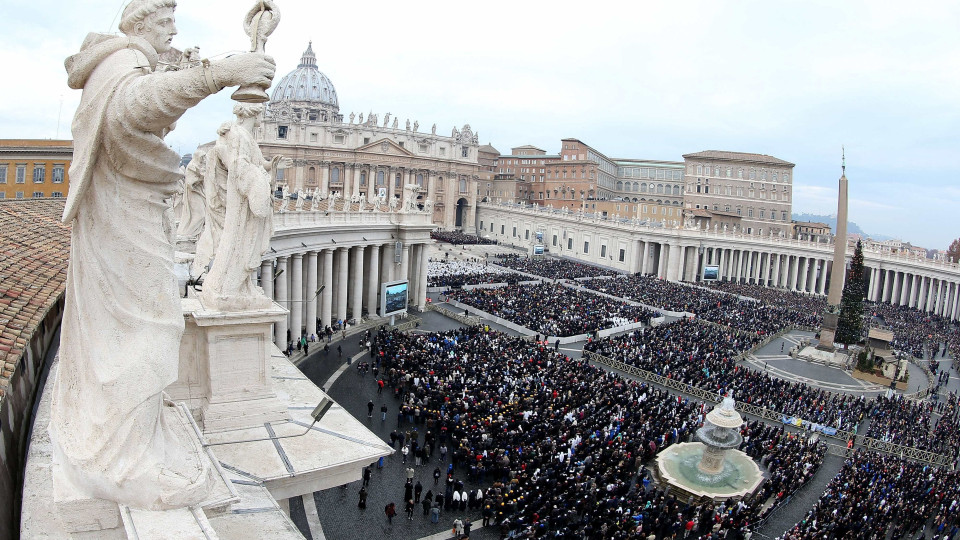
553,309
557,448
551,268
460,239
455,273
704,356
876,496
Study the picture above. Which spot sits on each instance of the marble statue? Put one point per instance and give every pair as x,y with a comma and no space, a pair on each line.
410,192
395,123
176,200
248,223
434,129
428,206
114,435
394,203
360,119
284,199
332,200
386,119
416,125
363,202
715,227
315,199
301,198
408,124
194,205
352,116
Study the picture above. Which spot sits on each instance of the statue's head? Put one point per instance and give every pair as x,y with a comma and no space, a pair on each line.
151,20
248,112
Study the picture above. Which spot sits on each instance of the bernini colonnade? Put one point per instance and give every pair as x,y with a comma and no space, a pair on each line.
679,254
330,265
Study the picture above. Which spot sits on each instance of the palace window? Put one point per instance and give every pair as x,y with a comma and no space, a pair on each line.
603,251
740,173
338,139
19,195
420,180
379,178
749,212
39,174
623,255
586,247
281,132
423,149
58,174
3,174
37,194
335,175
313,137
465,152
312,176
397,180
363,178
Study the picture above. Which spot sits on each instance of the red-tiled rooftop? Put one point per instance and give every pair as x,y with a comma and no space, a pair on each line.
34,249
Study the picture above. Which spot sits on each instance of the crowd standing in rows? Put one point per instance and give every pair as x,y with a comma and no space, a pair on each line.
553,309
551,268
556,448
456,273
458,238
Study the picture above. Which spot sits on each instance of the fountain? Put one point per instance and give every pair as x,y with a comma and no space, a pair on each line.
712,468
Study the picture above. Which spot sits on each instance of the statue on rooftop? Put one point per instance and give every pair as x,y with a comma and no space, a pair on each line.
114,434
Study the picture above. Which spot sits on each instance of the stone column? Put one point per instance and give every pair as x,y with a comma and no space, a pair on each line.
674,262
386,262
296,295
914,287
775,270
311,292
343,283
266,278
405,262
822,281
356,279
391,180
326,296
871,274
373,280
904,288
421,299
662,260
897,287
280,328
802,277
794,270
646,257
735,257
956,302
812,277
922,294
887,284
722,273
939,297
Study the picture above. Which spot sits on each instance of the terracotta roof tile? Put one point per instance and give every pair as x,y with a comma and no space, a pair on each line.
737,156
34,249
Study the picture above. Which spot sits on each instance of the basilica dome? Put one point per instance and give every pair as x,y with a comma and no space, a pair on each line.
306,84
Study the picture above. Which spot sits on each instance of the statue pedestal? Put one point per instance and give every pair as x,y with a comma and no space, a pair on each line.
77,513
223,367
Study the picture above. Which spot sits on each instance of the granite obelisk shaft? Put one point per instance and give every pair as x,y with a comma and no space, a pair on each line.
830,318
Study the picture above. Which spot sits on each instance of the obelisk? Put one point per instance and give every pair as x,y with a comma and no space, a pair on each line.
839,270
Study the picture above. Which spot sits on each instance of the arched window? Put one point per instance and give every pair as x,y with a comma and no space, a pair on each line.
635,187
660,188
312,177
420,180
716,171
619,186
335,175
699,170
463,185
676,190
753,174
379,178
643,188
774,177
740,173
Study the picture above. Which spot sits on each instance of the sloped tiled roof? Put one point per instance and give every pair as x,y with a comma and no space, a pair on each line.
34,249
737,156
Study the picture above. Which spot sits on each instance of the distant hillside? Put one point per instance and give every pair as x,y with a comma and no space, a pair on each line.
852,228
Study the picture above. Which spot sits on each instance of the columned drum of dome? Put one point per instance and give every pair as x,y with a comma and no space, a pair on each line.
308,91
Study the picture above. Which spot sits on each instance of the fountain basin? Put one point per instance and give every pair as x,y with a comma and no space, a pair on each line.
736,474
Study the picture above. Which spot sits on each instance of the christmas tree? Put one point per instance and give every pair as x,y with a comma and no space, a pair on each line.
850,323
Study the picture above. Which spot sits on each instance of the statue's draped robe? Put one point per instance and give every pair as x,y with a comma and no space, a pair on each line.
247,222
113,435
194,201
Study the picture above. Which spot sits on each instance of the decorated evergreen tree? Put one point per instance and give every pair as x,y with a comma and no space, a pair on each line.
850,323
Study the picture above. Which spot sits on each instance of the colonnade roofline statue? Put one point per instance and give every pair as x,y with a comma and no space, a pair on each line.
114,435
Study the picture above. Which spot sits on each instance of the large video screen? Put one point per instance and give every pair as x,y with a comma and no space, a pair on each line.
393,298
538,249
711,273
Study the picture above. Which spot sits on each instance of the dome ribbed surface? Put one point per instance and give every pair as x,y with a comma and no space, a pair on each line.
306,83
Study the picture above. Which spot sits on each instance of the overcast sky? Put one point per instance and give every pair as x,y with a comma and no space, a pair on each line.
653,80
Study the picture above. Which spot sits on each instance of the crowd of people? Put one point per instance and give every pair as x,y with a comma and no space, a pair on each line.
456,273
724,309
703,355
553,309
901,421
780,298
561,445
916,332
551,268
877,496
460,239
